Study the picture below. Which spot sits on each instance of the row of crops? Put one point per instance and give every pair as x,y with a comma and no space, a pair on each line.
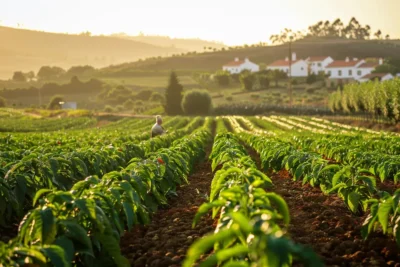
375,98
80,193
75,193
353,166
252,222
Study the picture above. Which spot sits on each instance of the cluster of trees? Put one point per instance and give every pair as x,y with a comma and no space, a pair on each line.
248,80
337,28
374,97
128,98
353,30
53,73
389,66
75,86
194,102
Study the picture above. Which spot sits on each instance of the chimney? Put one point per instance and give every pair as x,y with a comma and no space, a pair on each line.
347,59
293,56
287,59
380,61
236,59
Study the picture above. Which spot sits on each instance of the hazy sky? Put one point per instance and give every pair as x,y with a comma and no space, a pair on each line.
230,21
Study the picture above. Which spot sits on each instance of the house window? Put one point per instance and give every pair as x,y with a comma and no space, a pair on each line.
339,73
359,72
302,68
350,72
319,64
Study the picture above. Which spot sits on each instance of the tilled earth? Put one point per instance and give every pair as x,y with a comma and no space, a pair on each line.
166,240
325,224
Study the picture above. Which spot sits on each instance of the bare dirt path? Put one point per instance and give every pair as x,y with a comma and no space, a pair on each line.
165,241
325,224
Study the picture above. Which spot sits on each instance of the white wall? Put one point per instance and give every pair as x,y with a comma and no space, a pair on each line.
69,105
247,65
299,69
316,67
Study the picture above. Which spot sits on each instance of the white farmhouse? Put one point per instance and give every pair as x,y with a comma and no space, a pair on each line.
345,69
237,66
69,105
299,68
318,64
376,76
355,69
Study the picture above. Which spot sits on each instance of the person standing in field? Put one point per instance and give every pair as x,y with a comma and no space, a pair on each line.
157,129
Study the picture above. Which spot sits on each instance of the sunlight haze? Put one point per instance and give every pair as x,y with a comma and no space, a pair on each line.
232,22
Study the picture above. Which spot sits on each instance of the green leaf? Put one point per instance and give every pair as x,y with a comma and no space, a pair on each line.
39,194
203,245
242,221
49,228
225,254
31,252
383,213
68,247
56,255
130,215
282,206
78,234
111,245
353,201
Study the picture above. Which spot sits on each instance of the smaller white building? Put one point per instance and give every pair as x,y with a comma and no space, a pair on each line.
351,69
376,76
299,67
317,65
237,66
69,105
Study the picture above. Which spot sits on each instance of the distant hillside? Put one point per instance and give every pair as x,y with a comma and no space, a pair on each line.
211,61
165,41
29,50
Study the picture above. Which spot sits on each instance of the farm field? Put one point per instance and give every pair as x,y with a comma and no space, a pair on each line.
213,191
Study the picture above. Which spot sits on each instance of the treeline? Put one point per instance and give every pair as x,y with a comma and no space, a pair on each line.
75,86
248,80
337,28
375,98
54,73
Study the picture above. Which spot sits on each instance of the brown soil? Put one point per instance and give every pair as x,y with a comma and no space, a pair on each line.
388,186
165,241
325,224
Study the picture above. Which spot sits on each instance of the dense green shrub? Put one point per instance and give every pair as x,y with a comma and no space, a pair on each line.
157,97
55,102
129,104
222,78
197,102
109,108
143,95
3,102
247,80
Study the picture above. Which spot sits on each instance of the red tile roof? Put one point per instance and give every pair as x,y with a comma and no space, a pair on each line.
282,63
368,65
234,63
374,75
316,59
343,63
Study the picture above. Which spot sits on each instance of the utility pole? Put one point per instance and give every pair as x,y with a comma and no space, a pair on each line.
40,98
290,72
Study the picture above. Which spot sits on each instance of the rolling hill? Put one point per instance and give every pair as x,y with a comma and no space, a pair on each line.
181,43
28,50
211,61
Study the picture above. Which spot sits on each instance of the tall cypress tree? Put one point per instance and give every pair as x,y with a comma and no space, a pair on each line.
173,96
